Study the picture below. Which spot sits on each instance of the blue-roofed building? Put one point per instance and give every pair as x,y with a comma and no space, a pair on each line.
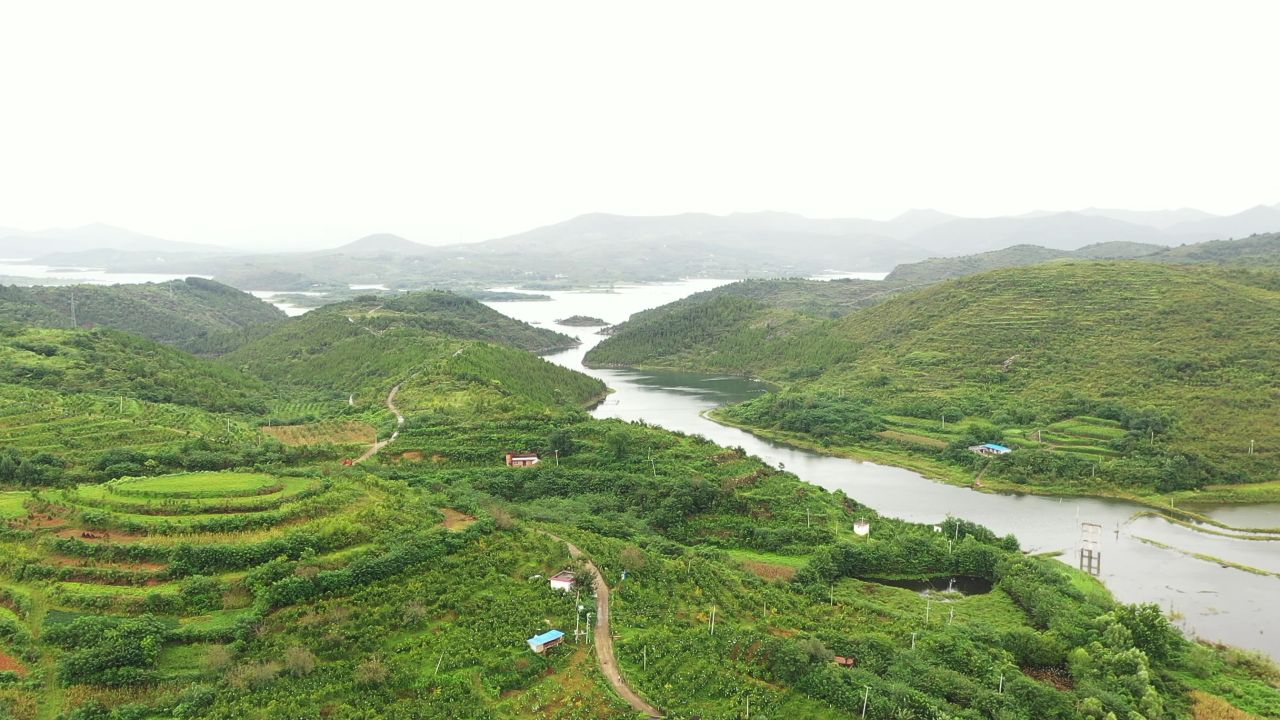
991,449
545,641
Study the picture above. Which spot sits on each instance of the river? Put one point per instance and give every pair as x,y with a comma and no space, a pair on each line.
1206,599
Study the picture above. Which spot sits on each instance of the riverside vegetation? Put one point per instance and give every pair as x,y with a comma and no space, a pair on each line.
192,566
1104,376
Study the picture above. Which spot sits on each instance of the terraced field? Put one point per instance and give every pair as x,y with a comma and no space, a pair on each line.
79,427
189,550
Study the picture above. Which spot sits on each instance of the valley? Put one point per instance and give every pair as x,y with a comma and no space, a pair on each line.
318,521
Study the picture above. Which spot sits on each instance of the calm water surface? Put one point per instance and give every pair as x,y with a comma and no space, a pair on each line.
1212,601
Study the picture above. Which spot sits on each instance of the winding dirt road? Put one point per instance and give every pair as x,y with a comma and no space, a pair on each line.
604,636
391,405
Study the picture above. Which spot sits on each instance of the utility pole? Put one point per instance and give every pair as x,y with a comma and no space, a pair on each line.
928,606
806,510
644,659
713,619
438,663
1001,683
833,594
74,322
557,458
748,707
866,693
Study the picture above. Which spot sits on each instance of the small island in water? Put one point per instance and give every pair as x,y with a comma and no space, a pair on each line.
582,321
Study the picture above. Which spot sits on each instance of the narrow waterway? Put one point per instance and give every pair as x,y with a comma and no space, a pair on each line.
1209,600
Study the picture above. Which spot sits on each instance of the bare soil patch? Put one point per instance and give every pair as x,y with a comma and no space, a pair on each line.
68,561
1212,707
457,521
770,571
1050,676
96,536
9,663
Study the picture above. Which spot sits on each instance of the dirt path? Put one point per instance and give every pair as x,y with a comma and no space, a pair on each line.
391,405
604,636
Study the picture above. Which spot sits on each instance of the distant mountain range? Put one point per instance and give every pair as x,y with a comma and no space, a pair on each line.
96,236
602,247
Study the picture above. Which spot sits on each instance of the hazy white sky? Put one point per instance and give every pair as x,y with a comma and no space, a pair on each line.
291,123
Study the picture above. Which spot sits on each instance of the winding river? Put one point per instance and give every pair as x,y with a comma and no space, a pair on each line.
1144,559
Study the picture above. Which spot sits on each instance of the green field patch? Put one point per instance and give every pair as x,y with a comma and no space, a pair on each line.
1088,427
11,505
181,660
913,439
102,497
96,519
197,485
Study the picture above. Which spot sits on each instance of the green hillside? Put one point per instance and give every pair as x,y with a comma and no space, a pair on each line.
698,330
197,315
221,575
407,589
1099,353
356,352
1255,251
108,362
938,269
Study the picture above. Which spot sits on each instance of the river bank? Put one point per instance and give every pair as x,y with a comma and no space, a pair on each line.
960,477
1208,599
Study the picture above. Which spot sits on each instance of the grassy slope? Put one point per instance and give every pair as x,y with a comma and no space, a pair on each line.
195,314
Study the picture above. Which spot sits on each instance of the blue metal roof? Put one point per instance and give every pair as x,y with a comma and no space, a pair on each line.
993,446
546,637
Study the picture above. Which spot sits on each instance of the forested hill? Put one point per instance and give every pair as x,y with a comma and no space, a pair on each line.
1255,251
1189,349
360,349
118,365
195,314
741,314
937,269
733,319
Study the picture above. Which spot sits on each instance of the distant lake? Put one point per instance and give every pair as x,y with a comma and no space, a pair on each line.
20,272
